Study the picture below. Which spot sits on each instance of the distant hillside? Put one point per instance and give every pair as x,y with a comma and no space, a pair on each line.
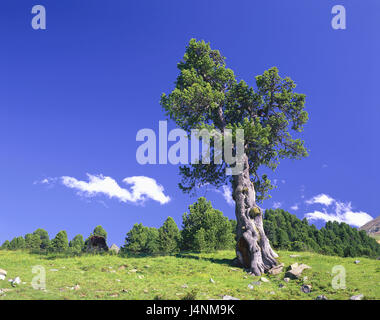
372,227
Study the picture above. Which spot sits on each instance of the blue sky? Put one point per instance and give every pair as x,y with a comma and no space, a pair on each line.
73,97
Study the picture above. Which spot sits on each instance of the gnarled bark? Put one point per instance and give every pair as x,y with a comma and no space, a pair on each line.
252,249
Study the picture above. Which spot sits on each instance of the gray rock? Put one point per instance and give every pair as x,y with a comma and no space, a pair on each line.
321,297
264,279
251,287
296,270
294,256
15,281
255,283
286,279
229,298
277,269
114,248
357,261
2,277
357,297
212,280
184,286
306,288
3,272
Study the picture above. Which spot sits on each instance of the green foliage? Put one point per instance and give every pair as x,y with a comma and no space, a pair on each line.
169,237
100,232
208,96
286,231
5,245
60,243
44,236
32,242
17,243
76,245
141,239
206,229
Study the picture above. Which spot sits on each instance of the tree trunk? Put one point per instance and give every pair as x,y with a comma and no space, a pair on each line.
252,249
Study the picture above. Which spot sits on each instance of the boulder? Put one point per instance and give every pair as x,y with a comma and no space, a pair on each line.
97,244
15,281
277,269
306,288
114,248
296,270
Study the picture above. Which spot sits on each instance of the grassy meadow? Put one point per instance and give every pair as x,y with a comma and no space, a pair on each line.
186,276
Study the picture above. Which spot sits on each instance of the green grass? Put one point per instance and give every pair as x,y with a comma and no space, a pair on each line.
99,277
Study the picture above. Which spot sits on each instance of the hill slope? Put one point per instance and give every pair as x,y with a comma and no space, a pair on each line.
372,227
173,277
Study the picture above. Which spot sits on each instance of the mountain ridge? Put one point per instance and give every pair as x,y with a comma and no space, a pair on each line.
372,227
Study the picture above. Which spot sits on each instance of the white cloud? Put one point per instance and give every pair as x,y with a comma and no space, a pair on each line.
343,212
356,219
227,194
142,188
294,207
277,205
321,199
47,181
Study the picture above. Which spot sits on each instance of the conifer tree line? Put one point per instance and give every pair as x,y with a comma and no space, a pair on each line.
205,229
285,231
